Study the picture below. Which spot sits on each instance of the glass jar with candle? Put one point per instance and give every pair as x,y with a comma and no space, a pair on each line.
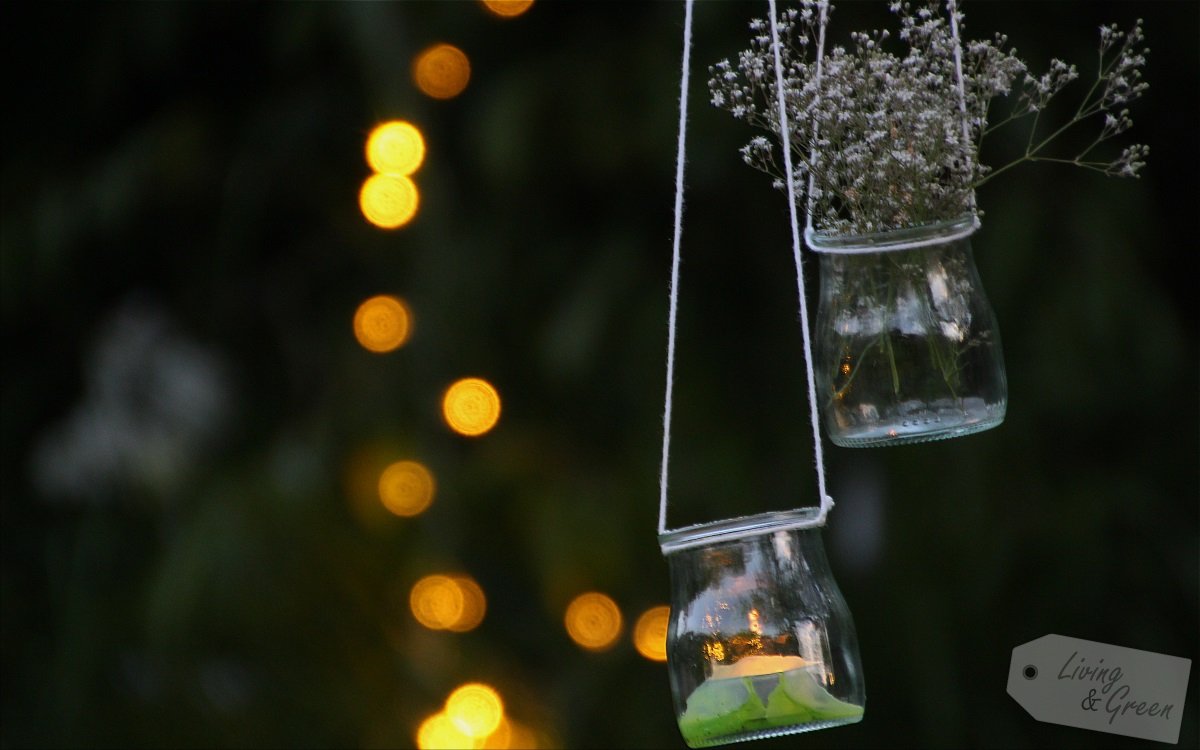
760,641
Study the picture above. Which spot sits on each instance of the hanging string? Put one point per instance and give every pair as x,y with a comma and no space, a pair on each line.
952,9
807,520
785,139
785,132
674,304
812,151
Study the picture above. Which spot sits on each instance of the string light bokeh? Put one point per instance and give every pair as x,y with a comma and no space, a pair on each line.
388,201
474,716
406,488
471,406
507,8
382,323
441,71
593,620
395,148
650,633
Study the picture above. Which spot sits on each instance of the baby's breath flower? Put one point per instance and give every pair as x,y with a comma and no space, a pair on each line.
889,149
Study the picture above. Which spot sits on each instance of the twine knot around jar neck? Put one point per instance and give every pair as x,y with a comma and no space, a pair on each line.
731,529
908,238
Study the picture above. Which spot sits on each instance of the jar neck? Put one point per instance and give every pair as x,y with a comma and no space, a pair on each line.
705,534
925,235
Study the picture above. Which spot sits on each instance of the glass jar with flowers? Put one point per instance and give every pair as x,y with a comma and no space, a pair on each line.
885,148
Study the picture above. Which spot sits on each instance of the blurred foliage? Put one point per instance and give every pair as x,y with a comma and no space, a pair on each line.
191,556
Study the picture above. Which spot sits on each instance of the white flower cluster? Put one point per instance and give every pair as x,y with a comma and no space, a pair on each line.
890,149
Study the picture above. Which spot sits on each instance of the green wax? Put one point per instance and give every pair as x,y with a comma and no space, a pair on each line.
731,706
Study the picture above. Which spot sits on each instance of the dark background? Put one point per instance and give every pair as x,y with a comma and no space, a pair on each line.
184,404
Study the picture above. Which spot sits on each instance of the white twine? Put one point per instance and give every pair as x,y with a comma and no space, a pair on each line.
787,148
952,9
674,306
702,532
785,139
826,501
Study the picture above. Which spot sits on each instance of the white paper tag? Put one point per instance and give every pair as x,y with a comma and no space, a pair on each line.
1093,685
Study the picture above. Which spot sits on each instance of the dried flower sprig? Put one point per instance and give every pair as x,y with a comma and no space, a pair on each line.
1118,82
890,150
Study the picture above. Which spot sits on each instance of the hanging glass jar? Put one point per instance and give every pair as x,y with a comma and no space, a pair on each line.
907,348
760,641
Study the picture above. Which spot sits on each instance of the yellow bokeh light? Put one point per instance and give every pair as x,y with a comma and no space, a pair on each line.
436,601
650,633
441,71
448,602
406,488
593,621
388,201
395,148
382,323
507,8
438,732
473,608
475,709
471,406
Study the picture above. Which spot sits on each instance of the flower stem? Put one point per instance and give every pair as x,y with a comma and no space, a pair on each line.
891,350
862,357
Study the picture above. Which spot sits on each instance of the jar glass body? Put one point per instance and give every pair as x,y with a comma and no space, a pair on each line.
760,641
907,348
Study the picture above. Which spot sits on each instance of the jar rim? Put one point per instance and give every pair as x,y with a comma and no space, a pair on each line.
730,529
921,235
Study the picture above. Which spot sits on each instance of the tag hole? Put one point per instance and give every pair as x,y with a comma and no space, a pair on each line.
1030,671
